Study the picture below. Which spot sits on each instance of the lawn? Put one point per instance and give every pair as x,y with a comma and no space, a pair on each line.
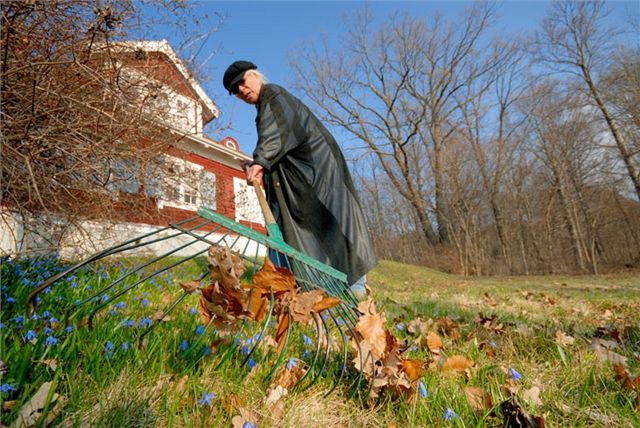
494,351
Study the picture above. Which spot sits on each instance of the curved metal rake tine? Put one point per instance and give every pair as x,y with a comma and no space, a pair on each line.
123,246
345,352
320,330
135,284
264,327
164,314
144,265
284,348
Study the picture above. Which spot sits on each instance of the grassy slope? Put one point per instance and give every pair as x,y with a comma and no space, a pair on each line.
160,385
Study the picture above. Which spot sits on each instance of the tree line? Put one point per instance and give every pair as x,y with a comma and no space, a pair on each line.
490,155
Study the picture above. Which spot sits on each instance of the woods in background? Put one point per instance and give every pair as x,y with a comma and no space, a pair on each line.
484,155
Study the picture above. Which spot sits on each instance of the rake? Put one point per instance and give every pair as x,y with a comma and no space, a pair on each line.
191,238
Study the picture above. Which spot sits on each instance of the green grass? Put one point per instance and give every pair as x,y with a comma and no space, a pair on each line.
107,377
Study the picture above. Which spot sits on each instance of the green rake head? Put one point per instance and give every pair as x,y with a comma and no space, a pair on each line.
187,242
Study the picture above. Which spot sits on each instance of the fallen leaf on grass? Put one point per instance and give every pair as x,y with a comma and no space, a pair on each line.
371,327
413,369
418,327
488,349
244,418
622,374
564,339
274,395
605,354
434,342
190,287
477,398
532,396
52,364
449,327
31,412
457,363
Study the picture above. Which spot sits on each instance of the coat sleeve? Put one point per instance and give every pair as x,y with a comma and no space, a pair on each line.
275,133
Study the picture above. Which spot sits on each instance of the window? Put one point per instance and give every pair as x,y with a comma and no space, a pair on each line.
181,184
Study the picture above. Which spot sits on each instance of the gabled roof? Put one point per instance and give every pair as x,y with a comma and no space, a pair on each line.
210,111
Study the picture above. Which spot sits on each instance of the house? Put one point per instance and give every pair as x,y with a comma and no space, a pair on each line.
194,170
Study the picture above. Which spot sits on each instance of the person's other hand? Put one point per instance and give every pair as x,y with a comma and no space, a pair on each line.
255,174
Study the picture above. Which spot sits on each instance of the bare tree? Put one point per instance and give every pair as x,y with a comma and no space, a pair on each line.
394,88
575,40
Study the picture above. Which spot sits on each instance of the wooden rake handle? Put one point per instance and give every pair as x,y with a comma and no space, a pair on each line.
264,205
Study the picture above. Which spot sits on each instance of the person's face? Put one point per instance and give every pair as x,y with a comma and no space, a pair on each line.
248,89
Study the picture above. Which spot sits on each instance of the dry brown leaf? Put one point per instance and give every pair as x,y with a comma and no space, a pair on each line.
457,363
532,396
225,267
190,287
274,395
270,277
434,342
449,327
288,377
302,304
159,315
327,302
371,328
281,330
31,411
243,417
418,327
622,374
478,399
255,307
605,354
564,339
413,369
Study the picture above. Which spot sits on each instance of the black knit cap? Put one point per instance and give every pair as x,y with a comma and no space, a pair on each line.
235,73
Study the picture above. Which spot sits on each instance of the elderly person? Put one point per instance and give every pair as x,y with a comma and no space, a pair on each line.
306,178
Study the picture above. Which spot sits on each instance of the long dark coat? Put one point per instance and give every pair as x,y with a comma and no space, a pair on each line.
309,188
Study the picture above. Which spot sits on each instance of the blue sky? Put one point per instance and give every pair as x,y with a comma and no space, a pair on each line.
268,32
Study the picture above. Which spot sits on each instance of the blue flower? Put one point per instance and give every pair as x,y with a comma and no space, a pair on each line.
400,326
1,326
307,341
34,317
245,350
6,387
108,346
449,414
248,424
144,322
305,354
144,303
423,390
206,351
46,290
193,311
10,300
515,376
47,330
199,330
112,312
31,335
69,328
206,399
120,305
18,319
104,298
251,363
125,346
291,363
184,345
127,323
50,341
